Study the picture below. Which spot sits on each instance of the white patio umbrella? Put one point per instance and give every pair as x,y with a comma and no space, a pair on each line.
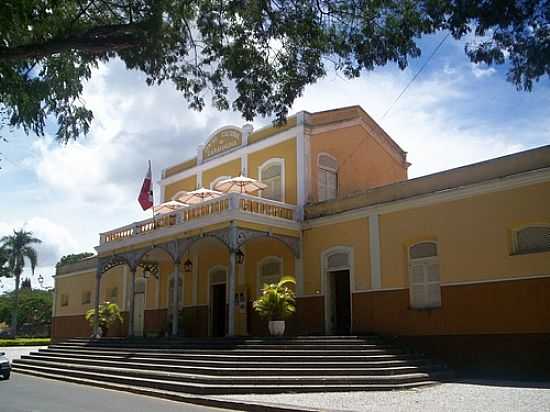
198,196
168,207
240,184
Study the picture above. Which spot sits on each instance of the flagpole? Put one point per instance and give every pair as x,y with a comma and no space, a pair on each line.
152,196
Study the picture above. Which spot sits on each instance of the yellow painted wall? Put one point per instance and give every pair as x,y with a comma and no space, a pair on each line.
232,169
211,253
188,184
317,240
258,249
474,235
75,286
285,150
363,162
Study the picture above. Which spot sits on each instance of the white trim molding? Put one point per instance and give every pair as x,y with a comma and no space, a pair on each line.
272,161
229,156
374,249
260,264
447,195
324,279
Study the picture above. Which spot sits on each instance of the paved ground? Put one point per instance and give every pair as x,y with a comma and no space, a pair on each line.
449,397
23,393
15,352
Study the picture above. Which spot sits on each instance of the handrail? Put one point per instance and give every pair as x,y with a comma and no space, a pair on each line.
239,202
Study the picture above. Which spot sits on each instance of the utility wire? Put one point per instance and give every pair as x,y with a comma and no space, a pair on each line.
435,50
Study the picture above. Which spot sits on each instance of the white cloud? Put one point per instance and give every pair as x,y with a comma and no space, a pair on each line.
480,72
90,186
424,122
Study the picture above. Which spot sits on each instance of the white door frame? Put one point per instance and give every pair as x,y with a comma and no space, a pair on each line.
209,294
325,281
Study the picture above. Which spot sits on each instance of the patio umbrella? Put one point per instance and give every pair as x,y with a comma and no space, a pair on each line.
198,196
168,207
240,184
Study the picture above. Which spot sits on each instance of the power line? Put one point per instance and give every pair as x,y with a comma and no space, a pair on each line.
435,50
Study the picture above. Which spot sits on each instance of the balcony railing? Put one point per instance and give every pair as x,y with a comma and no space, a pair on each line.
231,204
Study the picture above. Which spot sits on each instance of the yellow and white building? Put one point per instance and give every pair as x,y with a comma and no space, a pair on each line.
446,259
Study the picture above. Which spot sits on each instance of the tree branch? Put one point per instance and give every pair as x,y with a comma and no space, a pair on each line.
97,40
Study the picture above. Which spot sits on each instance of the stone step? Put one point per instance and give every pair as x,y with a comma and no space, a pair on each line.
239,356
390,361
255,370
185,397
238,384
260,351
218,347
226,339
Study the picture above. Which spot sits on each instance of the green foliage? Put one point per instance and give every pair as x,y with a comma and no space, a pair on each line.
25,342
18,249
277,301
108,314
73,258
4,270
269,51
34,307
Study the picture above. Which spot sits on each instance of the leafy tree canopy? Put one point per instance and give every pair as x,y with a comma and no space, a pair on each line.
268,50
73,258
35,307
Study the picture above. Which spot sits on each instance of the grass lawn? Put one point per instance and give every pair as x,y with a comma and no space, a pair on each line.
24,342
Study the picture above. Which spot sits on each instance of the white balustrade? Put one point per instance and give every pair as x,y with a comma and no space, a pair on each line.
234,204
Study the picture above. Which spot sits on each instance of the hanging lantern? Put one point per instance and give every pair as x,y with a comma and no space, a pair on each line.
240,257
188,266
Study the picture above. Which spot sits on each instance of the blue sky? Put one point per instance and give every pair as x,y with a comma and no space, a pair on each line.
455,113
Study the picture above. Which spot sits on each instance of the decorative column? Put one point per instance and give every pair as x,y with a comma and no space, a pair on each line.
175,298
96,303
231,278
132,302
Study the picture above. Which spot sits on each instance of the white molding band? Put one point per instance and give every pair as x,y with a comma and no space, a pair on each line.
374,246
235,154
447,195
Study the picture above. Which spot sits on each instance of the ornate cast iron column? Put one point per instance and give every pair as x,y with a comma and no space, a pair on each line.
231,278
175,297
132,301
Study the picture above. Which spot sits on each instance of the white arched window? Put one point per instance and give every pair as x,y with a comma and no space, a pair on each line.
532,239
270,270
272,174
424,277
328,177
218,180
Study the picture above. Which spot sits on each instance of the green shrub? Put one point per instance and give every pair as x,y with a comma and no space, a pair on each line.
278,301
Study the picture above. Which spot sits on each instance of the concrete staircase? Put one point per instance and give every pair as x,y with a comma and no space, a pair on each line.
234,365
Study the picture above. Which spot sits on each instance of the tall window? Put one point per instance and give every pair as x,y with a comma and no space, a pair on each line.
328,177
271,173
86,297
270,271
425,287
532,239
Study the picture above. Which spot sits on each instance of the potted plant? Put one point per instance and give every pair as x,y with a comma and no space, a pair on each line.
277,303
108,314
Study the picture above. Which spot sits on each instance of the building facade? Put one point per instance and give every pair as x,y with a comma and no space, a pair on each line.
442,260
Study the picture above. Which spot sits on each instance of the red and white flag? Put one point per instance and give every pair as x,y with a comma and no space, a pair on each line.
145,197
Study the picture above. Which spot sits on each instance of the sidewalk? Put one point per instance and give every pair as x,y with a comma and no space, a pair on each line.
485,396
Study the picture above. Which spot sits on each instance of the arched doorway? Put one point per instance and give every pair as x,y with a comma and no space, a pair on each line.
217,288
337,273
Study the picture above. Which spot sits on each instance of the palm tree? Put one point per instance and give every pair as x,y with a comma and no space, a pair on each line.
18,248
